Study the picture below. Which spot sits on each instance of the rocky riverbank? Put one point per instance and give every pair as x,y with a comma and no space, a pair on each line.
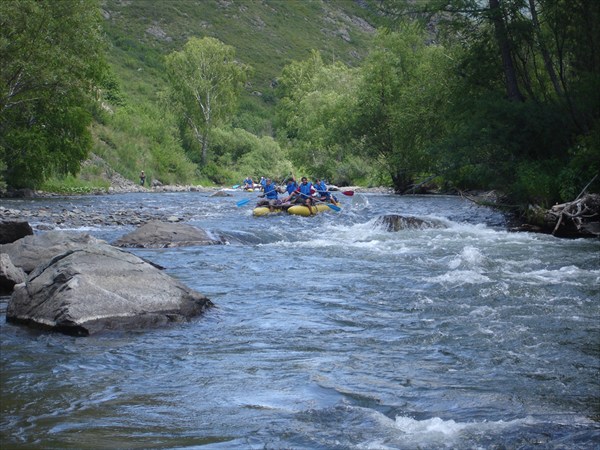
582,222
68,216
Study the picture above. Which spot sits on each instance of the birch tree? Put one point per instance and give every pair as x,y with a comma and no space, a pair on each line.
206,81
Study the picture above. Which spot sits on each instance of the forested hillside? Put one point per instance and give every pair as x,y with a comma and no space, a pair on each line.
500,94
264,36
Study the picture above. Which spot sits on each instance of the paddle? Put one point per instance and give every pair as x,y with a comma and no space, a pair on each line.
332,206
235,186
244,201
348,193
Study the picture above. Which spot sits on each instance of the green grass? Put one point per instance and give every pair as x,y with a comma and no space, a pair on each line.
85,183
265,34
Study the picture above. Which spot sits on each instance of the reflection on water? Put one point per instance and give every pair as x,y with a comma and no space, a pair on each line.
330,332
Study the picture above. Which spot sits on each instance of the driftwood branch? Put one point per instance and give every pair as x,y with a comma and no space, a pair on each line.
488,198
586,186
414,187
579,217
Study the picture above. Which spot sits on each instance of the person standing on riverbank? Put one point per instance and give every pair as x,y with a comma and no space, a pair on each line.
142,178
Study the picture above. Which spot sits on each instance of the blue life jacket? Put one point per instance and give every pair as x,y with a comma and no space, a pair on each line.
305,189
270,191
321,188
291,187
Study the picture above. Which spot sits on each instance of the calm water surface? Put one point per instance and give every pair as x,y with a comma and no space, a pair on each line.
329,333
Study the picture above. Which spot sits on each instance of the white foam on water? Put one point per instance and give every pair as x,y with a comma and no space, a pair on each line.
498,289
572,275
460,277
81,229
406,432
362,237
469,257
431,429
440,433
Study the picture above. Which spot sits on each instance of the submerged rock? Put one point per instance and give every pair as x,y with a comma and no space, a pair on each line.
394,222
221,193
157,234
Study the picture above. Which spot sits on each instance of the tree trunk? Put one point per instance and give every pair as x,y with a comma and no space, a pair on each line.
201,138
204,148
544,50
402,181
510,74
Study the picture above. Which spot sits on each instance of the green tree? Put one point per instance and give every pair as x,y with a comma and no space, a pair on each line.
51,68
524,105
317,100
206,81
401,103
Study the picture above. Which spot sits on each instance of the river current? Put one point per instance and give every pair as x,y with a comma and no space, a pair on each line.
329,332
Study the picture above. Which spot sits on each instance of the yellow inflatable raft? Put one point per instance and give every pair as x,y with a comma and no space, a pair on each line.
264,210
297,210
302,210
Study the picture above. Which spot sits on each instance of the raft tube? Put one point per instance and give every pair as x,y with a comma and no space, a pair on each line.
302,210
264,211
297,210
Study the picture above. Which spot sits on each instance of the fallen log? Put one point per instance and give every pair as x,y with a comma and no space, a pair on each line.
581,217
578,218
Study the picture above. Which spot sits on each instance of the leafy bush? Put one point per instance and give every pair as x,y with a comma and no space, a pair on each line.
536,183
266,159
216,174
243,154
583,166
144,138
71,185
47,86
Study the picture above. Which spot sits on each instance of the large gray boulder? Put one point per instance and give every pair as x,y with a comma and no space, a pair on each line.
157,234
30,251
395,222
99,287
9,275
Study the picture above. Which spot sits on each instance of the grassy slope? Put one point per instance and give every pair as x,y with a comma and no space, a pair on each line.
267,34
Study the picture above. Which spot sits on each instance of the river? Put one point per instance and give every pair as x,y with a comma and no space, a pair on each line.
328,333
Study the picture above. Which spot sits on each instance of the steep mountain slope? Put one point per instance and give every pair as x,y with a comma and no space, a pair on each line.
266,34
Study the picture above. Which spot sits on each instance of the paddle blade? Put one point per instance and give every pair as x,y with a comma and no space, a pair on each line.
348,193
242,202
334,207
235,186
